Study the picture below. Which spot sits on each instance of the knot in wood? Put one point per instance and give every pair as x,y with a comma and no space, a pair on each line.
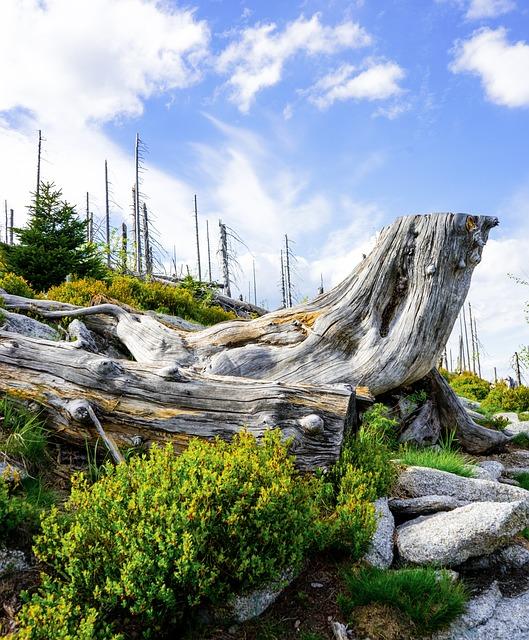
312,424
430,269
106,368
80,411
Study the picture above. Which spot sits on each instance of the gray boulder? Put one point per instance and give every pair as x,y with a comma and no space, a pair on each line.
415,482
11,561
450,538
518,427
380,553
17,323
515,556
424,505
491,616
468,404
493,468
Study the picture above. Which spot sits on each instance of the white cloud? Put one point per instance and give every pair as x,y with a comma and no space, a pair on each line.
502,66
74,61
256,60
378,81
479,9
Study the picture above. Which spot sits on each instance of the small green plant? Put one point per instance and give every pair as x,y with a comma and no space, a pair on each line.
22,433
428,598
370,451
19,518
521,440
523,479
16,285
525,533
417,397
523,416
444,459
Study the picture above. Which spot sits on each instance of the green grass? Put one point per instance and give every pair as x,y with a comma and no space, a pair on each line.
310,635
523,479
22,433
444,459
521,440
428,598
525,533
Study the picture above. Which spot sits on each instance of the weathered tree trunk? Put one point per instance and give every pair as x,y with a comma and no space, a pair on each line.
442,414
383,327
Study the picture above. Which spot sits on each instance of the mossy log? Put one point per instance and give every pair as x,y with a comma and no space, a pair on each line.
382,328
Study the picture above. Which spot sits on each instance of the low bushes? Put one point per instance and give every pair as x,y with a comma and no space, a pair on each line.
426,599
470,386
159,535
184,301
16,285
503,398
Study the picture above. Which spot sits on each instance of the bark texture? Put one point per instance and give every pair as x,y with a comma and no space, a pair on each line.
383,327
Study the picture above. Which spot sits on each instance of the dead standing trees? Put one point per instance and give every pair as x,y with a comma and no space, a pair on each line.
383,327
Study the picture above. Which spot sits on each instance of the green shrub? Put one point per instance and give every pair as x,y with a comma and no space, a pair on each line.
19,518
428,598
370,451
163,533
502,398
444,459
347,518
470,386
523,416
79,292
144,295
16,285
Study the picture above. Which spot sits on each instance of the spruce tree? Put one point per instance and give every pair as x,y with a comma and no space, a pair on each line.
52,244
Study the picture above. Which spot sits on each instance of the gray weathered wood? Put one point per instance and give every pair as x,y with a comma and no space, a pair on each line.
383,327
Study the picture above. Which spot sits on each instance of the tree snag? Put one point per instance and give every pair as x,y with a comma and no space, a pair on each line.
383,327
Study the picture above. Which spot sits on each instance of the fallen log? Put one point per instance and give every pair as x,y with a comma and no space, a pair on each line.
382,328
147,403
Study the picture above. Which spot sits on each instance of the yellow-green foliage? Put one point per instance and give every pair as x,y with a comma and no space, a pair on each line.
166,532
470,386
16,285
18,517
502,398
348,519
370,450
156,296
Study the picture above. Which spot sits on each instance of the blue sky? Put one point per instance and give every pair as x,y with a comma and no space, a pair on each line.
323,120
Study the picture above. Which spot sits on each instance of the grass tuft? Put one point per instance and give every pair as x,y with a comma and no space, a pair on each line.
521,440
443,459
523,479
22,433
428,598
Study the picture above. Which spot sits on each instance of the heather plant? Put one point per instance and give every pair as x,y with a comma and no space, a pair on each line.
16,285
144,295
164,533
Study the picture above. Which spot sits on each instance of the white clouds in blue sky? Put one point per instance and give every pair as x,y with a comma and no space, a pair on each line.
501,65
270,112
